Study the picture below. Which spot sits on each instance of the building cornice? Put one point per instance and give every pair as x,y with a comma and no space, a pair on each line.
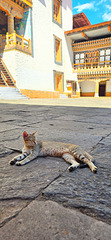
95,26
28,2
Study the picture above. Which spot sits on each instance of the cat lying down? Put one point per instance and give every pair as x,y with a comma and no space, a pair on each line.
71,153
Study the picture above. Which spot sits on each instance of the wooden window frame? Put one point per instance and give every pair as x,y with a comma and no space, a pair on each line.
58,50
57,11
106,55
93,58
61,75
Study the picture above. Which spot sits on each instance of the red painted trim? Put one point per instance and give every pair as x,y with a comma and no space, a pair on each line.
80,20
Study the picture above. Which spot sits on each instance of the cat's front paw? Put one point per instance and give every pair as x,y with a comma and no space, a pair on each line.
18,164
13,161
71,169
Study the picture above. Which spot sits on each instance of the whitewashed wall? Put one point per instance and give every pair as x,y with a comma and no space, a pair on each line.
90,86
36,72
87,86
108,86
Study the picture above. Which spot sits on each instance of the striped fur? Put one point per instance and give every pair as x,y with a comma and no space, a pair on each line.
73,154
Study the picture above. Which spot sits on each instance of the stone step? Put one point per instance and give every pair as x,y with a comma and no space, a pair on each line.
6,73
11,93
63,96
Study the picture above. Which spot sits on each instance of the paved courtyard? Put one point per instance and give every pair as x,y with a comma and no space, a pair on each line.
103,102
42,200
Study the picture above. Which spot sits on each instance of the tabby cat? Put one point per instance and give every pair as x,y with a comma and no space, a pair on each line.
71,153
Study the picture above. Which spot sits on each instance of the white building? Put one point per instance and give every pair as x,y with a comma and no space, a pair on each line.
92,56
38,56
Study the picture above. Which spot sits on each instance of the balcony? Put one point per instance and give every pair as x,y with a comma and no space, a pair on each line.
92,65
14,41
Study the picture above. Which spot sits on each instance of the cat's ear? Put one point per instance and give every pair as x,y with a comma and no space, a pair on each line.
25,134
34,133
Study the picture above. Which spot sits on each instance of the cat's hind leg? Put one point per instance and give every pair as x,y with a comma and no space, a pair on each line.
70,159
85,158
89,156
18,158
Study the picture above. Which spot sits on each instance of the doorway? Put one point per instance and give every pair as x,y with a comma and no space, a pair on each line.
102,89
74,88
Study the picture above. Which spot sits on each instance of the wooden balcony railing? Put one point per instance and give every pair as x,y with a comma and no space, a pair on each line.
14,41
93,44
90,65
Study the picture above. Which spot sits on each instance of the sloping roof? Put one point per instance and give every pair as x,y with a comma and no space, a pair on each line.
92,31
80,20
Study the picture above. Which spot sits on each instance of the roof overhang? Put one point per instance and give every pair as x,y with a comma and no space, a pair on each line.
90,32
27,2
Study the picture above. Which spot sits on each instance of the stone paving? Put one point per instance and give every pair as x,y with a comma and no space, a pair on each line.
42,200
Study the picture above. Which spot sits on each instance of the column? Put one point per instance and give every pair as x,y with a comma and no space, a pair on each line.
97,89
78,89
10,24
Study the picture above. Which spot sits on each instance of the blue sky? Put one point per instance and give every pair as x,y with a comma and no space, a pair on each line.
97,11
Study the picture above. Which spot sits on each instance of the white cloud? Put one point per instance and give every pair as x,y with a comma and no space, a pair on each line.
101,1
107,17
108,7
85,6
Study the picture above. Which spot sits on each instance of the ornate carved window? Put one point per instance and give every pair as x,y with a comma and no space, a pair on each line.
58,55
92,58
79,57
108,56
87,58
105,56
57,11
102,56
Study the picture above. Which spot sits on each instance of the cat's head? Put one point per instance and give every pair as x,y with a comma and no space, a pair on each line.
30,140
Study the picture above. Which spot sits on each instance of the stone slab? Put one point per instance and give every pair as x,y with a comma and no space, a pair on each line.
72,127
83,190
4,151
48,220
10,208
28,181
81,134
47,178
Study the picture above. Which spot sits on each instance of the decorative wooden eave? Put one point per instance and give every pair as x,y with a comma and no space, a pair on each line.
84,36
11,7
93,76
109,28
90,27
27,2
91,32
90,45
